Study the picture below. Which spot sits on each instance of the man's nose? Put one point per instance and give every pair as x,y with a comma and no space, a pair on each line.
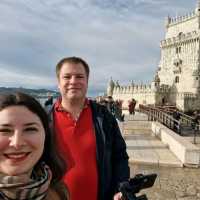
73,79
17,140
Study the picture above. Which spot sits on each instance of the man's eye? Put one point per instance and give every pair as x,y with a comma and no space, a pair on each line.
80,77
66,77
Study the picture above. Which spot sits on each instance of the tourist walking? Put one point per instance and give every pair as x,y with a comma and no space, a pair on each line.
131,106
88,137
176,116
30,167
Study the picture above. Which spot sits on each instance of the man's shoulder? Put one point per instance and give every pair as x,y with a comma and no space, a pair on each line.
98,107
101,111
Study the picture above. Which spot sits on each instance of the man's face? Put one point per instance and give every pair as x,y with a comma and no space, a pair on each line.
73,81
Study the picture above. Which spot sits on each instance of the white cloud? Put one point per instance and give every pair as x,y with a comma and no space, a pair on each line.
118,38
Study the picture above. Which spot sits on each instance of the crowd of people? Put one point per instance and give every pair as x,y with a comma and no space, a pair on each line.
114,107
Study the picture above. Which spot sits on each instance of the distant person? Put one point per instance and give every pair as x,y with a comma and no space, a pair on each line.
49,100
48,103
196,120
111,105
88,137
176,115
30,167
131,106
118,111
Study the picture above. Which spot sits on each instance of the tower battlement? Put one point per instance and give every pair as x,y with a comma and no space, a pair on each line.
180,19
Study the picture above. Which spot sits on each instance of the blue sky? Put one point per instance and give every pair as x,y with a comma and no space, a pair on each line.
118,38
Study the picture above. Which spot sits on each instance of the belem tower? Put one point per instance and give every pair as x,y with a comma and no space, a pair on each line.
177,79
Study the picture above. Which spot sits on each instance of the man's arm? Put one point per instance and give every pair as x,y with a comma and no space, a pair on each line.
121,171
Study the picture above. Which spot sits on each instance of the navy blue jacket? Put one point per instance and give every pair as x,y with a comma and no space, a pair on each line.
112,158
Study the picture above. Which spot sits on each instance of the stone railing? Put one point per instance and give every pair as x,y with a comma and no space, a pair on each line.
180,39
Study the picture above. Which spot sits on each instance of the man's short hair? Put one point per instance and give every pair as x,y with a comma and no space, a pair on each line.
73,60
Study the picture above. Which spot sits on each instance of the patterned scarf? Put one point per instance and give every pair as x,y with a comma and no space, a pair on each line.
23,188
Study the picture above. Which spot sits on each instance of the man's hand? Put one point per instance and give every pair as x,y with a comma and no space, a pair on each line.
118,196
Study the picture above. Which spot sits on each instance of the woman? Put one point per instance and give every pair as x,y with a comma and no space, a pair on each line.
30,167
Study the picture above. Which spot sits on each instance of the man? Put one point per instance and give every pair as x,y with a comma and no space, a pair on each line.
111,105
48,103
88,137
131,106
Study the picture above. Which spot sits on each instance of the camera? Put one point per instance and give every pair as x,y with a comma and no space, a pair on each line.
134,185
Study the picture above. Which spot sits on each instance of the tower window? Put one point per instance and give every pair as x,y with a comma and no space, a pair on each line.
178,50
176,79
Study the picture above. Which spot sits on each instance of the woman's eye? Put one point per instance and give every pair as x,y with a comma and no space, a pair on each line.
31,129
5,131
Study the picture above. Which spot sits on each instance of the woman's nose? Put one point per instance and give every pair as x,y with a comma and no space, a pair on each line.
16,140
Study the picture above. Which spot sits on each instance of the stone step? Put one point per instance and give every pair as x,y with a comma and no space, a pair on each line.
148,150
136,117
152,153
136,125
136,131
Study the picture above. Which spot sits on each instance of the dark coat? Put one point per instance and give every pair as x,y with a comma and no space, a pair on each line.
112,158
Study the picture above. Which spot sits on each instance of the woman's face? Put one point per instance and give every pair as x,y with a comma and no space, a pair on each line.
22,139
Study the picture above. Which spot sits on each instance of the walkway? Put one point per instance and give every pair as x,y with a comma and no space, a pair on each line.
144,148
149,155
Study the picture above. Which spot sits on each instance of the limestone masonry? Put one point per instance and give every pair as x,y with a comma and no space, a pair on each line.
177,80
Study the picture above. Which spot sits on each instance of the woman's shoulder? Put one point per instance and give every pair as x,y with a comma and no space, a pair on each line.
58,193
52,195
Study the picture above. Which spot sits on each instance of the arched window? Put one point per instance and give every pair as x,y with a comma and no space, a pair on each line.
177,79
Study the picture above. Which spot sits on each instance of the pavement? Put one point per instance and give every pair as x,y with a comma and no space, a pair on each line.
149,155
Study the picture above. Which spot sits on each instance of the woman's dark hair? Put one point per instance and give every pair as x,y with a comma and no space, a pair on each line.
50,154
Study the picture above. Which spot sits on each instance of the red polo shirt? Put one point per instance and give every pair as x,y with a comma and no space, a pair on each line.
76,142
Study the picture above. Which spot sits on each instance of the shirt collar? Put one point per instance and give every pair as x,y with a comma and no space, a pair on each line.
58,106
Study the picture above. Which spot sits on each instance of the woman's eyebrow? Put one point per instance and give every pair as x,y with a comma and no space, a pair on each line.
31,123
6,125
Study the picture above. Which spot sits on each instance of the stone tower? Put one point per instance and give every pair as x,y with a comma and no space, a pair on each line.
179,65
177,80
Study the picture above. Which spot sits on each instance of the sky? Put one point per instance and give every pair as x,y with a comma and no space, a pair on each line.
118,39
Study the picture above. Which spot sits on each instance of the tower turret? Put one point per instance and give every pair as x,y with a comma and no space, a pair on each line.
197,10
167,21
110,87
156,82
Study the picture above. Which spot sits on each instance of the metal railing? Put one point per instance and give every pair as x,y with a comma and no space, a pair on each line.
183,123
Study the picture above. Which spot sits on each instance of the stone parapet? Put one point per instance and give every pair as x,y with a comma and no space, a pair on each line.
137,89
179,19
183,38
188,153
